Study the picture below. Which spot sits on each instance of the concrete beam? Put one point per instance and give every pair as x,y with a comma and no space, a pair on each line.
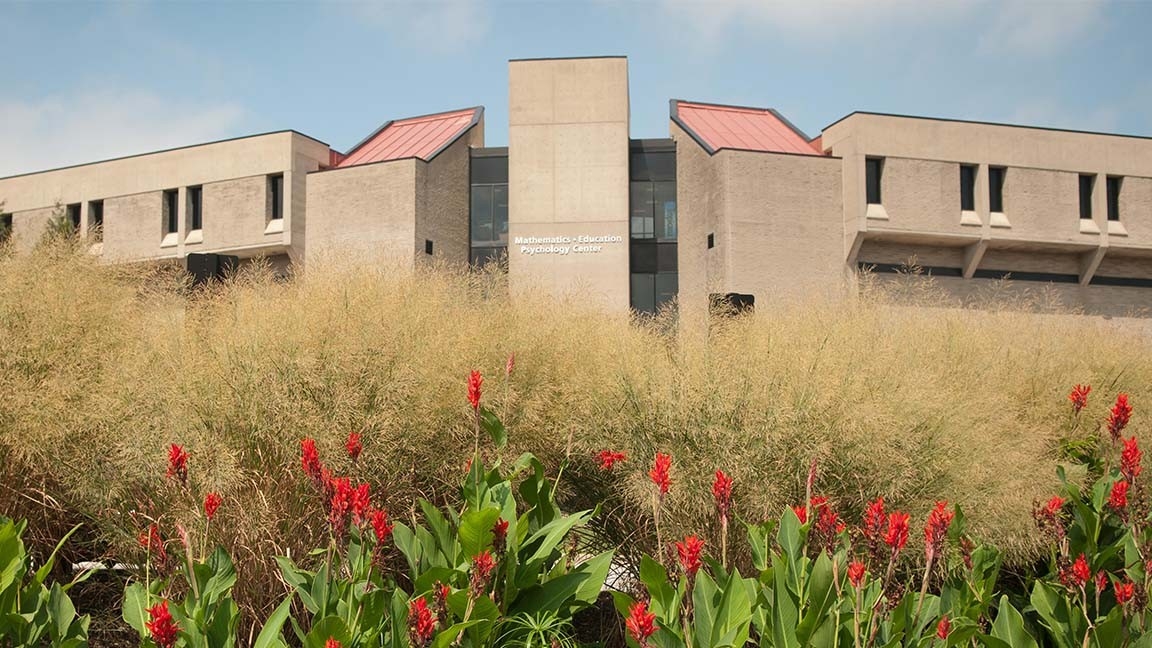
1090,262
972,255
854,248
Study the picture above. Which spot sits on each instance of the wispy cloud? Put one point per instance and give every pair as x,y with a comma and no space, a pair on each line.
84,126
445,25
1030,28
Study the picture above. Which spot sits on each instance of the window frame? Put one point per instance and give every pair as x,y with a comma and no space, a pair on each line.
170,211
968,186
275,189
1114,186
96,219
1085,196
195,208
873,179
997,177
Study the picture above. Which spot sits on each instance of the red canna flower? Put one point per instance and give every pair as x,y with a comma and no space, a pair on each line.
475,380
641,623
178,463
660,473
1124,591
1118,417
1079,397
381,527
500,535
150,539
1130,458
943,628
440,593
332,643
874,519
161,626
482,566
609,459
827,521
722,493
801,512
340,503
856,571
936,531
896,536
689,553
510,366
212,502
1081,572
1118,499
421,623
361,502
1055,505
310,459
1101,581
353,445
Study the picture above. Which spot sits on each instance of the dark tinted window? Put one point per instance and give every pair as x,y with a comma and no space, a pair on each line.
276,197
653,166
967,187
73,211
96,219
489,170
643,221
996,188
873,167
5,227
196,207
1086,183
427,246
1114,183
171,212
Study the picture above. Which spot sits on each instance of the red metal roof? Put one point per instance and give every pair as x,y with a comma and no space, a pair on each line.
734,127
419,137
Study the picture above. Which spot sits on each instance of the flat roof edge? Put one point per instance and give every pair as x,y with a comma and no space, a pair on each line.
567,58
986,123
167,150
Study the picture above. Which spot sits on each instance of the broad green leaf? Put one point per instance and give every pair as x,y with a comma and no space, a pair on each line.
1009,626
270,636
495,429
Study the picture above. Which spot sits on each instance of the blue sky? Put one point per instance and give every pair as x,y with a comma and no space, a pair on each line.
83,81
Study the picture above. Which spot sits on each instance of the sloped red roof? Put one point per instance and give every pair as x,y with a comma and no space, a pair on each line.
419,137
734,127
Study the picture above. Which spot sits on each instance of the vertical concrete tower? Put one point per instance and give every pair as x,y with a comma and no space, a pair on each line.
568,178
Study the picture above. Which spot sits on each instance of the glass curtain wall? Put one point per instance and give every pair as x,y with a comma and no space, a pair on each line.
488,220
653,225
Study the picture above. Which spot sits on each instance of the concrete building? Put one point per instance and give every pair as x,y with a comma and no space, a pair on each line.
735,205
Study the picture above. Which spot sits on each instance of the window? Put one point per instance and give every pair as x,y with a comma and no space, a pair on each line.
73,212
96,219
195,208
873,168
968,187
996,189
711,241
427,246
653,224
1086,184
488,205
171,212
1113,188
276,196
5,227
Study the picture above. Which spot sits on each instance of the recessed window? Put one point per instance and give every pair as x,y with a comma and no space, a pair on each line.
96,219
427,246
996,177
276,196
968,187
5,227
196,207
1087,182
1114,184
873,169
73,212
711,241
171,211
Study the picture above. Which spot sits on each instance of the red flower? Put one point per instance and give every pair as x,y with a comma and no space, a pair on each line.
1081,572
361,502
475,380
689,553
1124,591
340,503
178,463
1101,581
661,468
609,459
856,571
353,445
510,366
151,540
310,459
380,525
440,593
161,626
896,535
1118,499
801,512
482,566
1130,458
332,643
1055,505
1118,417
421,623
936,531
500,535
874,519
211,503
722,493
1079,397
827,521
641,623
943,628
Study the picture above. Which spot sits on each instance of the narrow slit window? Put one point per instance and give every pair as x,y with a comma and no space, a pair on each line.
1087,183
196,207
171,212
276,197
873,168
1114,185
96,219
968,187
73,211
996,189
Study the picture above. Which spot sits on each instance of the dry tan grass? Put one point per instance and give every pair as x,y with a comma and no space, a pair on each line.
102,367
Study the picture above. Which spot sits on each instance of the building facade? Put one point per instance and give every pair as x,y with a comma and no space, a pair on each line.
736,205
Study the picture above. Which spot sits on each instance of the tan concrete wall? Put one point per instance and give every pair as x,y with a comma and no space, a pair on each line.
568,174
134,227
700,212
235,214
922,195
1135,212
28,227
442,201
873,251
784,214
363,213
1044,205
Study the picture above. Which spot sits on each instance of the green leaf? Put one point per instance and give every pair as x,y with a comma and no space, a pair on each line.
495,429
330,627
134,607
476,530
42,573
62,612
1009,626
551,534
597,569
270,636
551,596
